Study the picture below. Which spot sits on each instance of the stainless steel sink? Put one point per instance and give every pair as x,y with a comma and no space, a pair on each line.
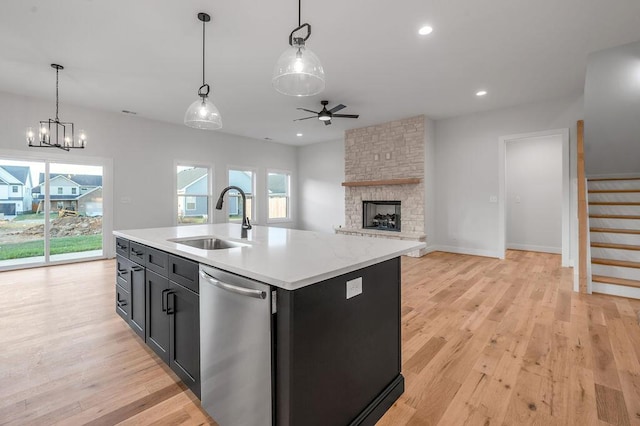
208,243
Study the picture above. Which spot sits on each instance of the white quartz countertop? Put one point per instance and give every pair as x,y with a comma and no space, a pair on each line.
286,258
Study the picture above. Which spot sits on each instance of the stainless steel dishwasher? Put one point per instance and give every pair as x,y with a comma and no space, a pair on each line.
235,348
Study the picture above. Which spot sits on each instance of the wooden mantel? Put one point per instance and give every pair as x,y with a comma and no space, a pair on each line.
406,181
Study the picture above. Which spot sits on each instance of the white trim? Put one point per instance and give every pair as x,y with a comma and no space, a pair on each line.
529,247
469,251
566,191
616,290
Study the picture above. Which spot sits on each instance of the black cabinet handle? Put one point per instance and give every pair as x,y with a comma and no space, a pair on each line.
121,247
164,300
136,252
121,272
136,268
171,309
121,303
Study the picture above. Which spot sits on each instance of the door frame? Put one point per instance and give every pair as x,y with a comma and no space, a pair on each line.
567,259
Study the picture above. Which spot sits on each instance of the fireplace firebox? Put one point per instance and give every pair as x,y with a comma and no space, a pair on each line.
382,215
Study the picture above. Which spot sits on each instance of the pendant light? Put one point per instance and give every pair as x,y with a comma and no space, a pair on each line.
298,71
54,133
203,114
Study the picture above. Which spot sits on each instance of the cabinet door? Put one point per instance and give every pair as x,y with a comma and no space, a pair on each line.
157,330
184,309
137,314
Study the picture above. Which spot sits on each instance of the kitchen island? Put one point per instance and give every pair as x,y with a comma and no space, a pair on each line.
328,349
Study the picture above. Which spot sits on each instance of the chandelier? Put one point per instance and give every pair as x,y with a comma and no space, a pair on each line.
54,133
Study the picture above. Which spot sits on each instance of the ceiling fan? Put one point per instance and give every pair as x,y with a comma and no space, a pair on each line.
326,115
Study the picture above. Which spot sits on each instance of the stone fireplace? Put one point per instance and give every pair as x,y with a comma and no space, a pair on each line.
384,164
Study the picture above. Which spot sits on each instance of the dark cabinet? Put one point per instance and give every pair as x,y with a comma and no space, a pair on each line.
183,308
157,317
157,294
130,276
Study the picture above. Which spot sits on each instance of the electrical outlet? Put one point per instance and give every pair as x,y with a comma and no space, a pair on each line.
354,287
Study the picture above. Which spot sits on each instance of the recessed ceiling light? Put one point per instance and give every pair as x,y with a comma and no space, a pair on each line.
481,93
425,30
298,134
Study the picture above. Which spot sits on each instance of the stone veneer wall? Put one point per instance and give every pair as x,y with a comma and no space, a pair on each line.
393,150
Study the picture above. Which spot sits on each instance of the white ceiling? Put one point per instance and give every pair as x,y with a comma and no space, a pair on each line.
145,56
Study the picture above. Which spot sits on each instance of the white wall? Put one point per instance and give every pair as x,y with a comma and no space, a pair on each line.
534,194
321,173
612,103
144,153
467,169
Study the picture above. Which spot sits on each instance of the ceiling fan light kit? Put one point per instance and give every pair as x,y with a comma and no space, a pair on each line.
298,71
325,115
203,114
63,132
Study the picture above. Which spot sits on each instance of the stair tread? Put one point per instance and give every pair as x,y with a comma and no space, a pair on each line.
614,203
614,216
612,178
611,191
615,246
613,262
616,230
615,280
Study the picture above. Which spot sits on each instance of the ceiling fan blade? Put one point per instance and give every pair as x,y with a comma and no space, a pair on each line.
308,110
337,108
306,118
326,123
346,115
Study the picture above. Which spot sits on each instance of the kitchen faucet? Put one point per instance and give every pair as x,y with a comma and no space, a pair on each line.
245,220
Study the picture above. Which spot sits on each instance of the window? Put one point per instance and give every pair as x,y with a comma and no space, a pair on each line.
193,184
190,203
59,190
278,188
74,191
245,180
14,189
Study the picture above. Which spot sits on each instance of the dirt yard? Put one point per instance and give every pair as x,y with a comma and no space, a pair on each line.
17,231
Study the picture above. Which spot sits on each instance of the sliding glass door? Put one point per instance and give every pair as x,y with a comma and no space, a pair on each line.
49,212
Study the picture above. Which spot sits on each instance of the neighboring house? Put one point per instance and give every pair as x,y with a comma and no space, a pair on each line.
244,181
82,193
15,190
192,182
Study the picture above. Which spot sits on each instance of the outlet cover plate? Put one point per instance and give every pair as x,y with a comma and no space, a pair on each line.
354,287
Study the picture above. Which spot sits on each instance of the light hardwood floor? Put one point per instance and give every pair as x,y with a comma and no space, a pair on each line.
485,342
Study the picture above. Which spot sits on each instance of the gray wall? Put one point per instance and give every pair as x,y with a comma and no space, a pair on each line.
612,111
534,194
144,152
467,172
321,173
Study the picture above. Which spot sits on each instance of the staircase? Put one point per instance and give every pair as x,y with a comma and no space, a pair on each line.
614,223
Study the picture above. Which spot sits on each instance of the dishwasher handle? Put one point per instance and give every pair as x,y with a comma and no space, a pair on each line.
258,294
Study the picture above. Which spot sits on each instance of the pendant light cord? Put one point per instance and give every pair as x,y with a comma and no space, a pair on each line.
57,70
203,23
299,13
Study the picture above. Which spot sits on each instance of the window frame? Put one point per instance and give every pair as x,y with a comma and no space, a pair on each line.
288,173
209,195
254,185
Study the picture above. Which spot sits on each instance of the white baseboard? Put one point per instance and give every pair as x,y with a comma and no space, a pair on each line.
615,290
529,247
463,250
615,175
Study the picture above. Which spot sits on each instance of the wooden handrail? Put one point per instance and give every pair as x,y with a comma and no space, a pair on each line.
583,225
